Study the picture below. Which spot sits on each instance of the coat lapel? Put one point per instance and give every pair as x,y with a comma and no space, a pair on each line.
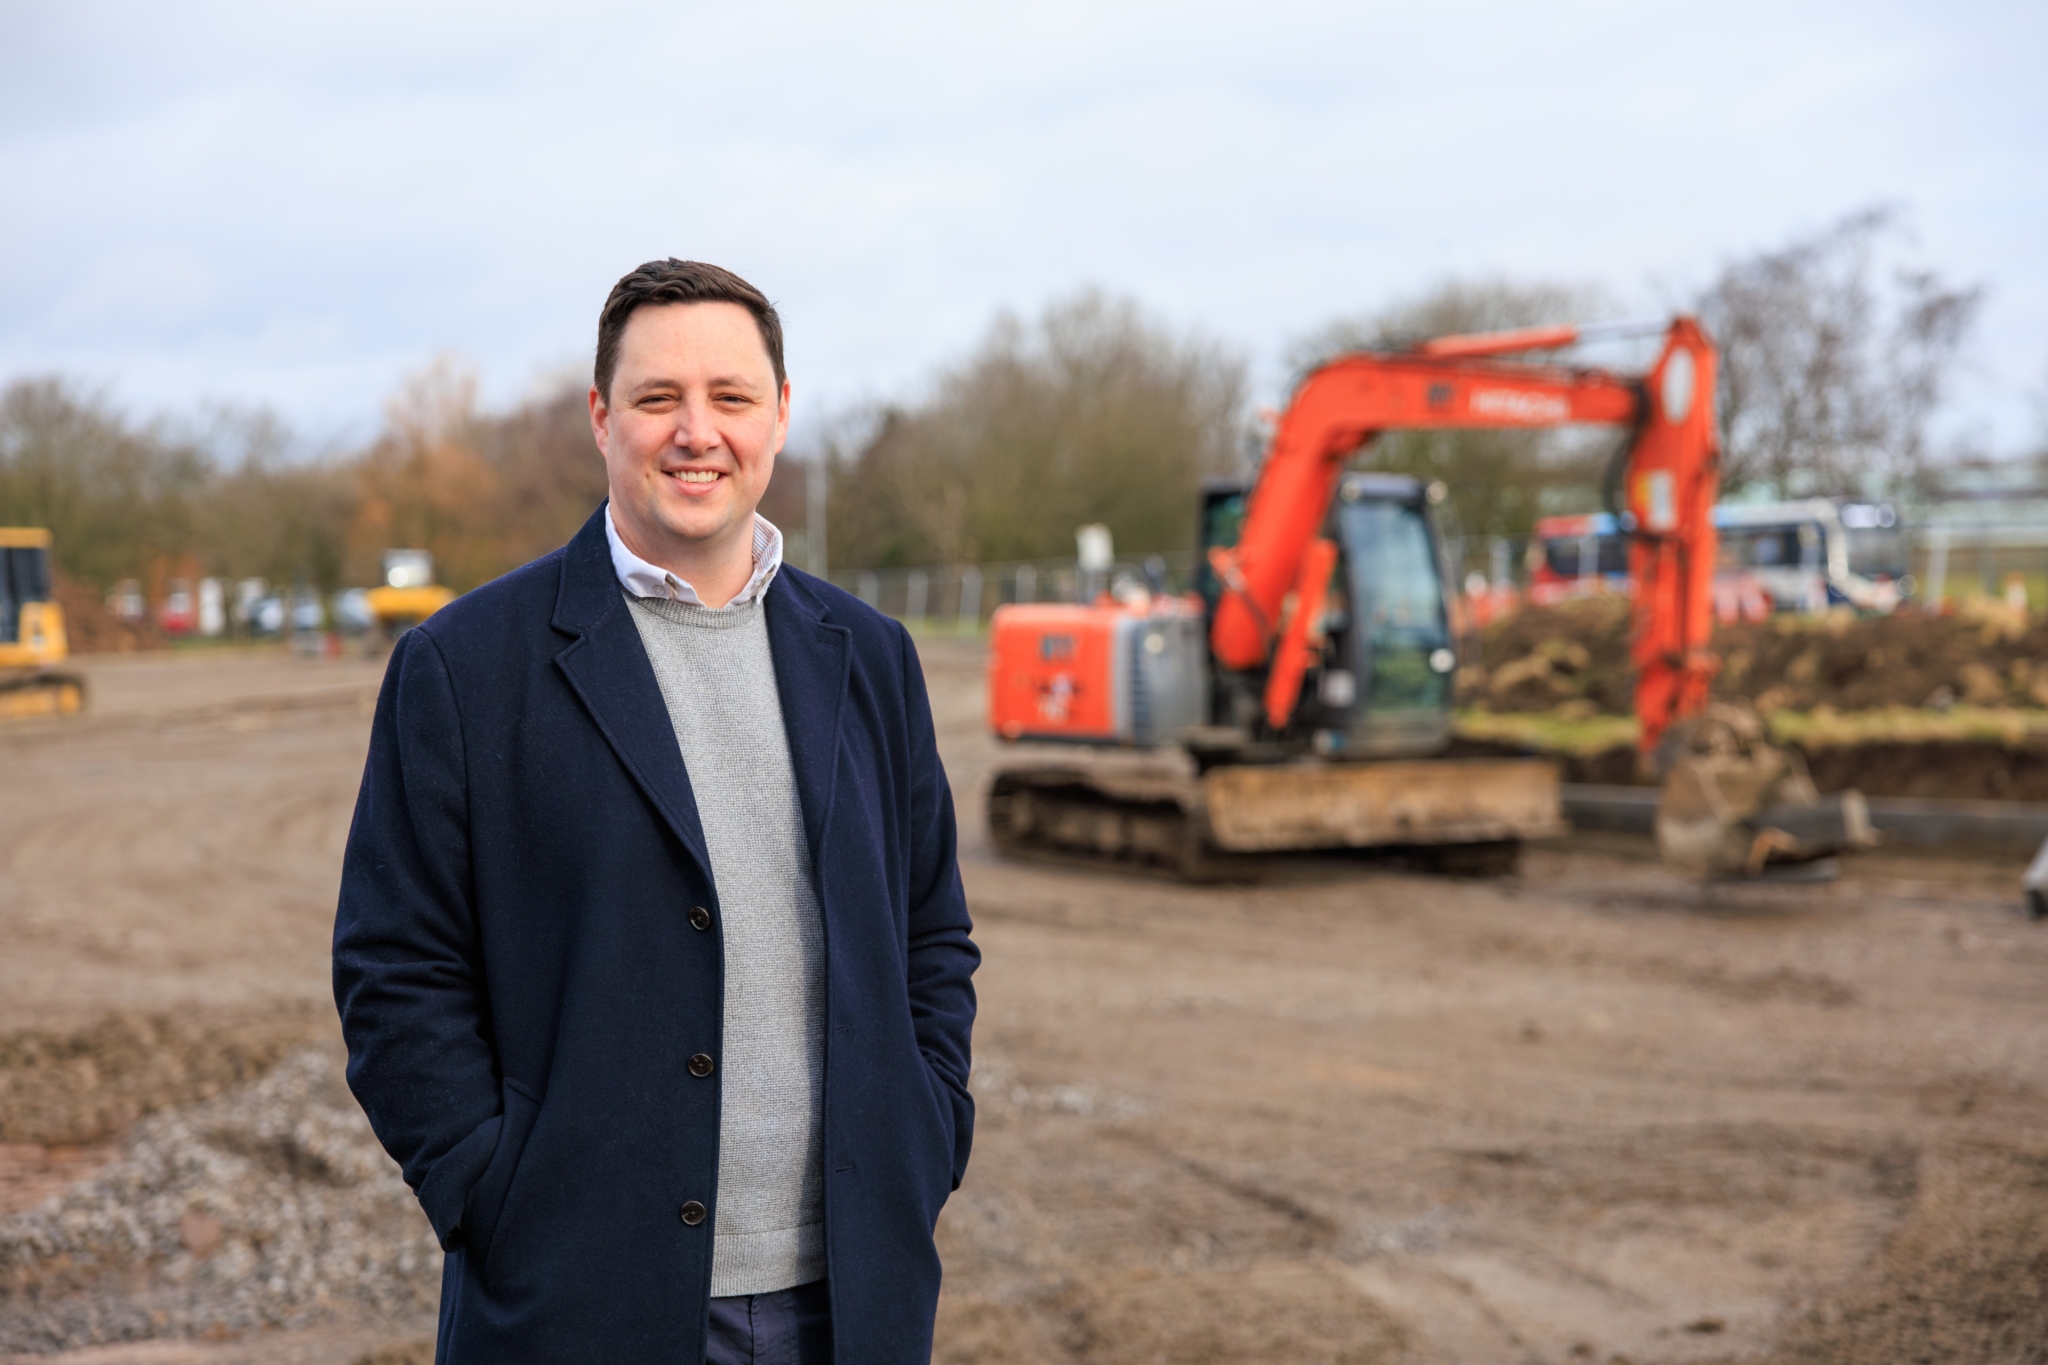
813,662
607,666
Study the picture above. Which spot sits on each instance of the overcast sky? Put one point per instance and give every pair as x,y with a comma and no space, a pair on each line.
295,205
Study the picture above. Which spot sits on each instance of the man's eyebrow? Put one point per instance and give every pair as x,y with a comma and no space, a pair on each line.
723,381
734,381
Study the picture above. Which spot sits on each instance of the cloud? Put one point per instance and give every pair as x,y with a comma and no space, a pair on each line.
351,189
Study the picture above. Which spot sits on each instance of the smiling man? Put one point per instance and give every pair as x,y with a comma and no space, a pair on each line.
652,954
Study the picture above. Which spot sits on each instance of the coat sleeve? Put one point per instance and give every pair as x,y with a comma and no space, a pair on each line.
942,953
408,967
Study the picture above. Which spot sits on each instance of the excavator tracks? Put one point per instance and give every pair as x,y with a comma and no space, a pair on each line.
41,694
1459,816
1147,821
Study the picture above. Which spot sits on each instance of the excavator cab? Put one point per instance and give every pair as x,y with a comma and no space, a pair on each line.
1378,686
1383,685
32,636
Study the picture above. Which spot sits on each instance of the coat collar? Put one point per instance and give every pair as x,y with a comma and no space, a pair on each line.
590,586
607,666
813,668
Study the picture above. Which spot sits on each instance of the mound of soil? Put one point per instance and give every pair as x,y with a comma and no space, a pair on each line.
1574,657
75,1087
92,629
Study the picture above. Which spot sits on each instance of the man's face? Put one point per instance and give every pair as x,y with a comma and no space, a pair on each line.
690,429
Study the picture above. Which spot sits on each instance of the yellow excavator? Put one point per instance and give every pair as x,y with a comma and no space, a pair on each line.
409,594
32,639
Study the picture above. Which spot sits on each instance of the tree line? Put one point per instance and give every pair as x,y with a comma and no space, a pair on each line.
1837,352
228,495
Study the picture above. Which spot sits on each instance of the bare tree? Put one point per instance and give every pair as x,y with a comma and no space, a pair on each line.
484,492
271,509
117,494
1830,367
1091,413
1447,308
1499,481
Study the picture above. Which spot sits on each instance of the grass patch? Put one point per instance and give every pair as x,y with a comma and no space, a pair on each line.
1821,727
1549,733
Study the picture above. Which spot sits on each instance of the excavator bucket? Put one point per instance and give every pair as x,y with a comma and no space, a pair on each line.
1734,806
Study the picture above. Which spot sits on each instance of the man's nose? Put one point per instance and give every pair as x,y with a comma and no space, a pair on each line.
695,430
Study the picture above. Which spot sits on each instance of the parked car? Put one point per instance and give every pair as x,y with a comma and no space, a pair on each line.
178,613
307,612
350,612
267,616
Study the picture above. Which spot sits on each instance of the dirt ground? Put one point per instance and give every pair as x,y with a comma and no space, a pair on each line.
1349,1114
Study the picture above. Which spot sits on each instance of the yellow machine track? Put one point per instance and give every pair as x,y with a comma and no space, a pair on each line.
41,694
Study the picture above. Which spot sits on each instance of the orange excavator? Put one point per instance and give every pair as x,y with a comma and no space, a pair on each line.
1310,675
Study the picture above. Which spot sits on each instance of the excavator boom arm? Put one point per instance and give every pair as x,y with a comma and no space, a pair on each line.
1338,409
1454,382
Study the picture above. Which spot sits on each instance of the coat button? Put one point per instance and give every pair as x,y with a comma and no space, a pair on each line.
692,1213
700,918
702,1065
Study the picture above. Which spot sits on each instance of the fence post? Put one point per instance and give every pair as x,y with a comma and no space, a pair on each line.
868,588
1937,568
1027,583
970,600
913,606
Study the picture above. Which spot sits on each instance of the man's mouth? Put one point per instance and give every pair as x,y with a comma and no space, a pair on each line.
694,475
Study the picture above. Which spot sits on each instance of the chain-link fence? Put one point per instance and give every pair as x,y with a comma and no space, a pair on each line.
963,596
1947,563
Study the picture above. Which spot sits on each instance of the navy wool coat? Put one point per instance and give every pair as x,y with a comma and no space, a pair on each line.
522,979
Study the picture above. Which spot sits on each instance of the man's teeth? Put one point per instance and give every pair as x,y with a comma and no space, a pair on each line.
696,475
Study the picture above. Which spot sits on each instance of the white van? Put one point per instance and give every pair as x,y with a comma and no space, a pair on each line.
1814,553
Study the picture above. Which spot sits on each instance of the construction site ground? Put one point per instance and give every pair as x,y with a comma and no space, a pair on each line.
1355,1112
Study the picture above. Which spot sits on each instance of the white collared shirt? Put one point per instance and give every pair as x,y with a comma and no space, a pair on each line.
642,579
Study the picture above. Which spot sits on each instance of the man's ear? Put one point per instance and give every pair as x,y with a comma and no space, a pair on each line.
600,421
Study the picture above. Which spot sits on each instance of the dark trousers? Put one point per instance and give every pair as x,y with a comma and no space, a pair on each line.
787,1327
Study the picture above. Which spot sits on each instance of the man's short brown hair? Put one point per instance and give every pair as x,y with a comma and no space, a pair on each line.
674,281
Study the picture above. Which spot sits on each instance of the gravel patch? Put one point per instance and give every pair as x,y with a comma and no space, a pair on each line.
270,1206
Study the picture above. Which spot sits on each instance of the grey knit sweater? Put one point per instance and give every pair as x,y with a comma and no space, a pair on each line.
718,678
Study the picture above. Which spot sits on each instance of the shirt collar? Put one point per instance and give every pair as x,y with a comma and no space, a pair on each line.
643,579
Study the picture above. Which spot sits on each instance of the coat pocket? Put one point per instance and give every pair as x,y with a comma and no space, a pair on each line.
486,1202
940,1165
